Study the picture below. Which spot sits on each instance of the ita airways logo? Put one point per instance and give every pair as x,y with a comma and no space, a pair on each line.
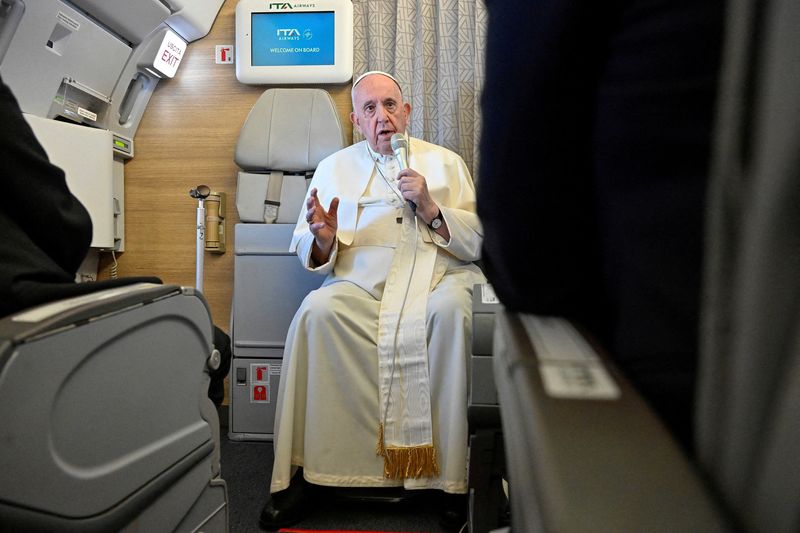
287,5
288,34
308,34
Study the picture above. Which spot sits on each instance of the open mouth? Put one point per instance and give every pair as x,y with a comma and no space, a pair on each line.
384,133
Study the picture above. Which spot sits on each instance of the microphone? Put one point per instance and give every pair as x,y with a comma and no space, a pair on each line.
400,149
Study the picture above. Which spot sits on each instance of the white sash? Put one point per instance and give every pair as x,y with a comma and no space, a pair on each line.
405,433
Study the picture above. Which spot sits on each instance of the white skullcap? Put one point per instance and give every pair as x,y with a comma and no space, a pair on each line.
382,73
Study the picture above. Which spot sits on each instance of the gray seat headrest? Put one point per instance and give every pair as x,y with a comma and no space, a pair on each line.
291,130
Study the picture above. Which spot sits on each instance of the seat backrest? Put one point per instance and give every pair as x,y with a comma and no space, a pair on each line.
288,132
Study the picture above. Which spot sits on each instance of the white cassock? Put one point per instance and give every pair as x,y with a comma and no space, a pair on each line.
336,379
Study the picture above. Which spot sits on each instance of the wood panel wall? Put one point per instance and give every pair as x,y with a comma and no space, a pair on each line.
187,137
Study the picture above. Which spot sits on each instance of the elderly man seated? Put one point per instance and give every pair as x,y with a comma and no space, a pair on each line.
373,389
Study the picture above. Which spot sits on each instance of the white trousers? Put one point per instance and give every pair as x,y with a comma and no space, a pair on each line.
327,410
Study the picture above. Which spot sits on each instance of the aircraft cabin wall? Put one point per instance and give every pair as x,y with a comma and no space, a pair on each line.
95,63
187,137
92,62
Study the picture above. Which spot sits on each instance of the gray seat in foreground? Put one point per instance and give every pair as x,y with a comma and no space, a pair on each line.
106,424
584,452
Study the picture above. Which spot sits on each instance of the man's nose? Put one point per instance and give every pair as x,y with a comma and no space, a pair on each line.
382,114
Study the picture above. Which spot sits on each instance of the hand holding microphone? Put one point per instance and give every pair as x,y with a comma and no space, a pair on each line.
400,149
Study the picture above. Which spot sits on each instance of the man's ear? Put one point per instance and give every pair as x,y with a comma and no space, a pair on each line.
354,119
407,107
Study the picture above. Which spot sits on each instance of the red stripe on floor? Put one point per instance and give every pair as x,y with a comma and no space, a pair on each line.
289,530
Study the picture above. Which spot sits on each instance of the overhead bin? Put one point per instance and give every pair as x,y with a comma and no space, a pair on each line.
133,21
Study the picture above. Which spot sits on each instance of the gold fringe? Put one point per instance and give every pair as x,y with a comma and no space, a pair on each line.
401,463
415,462
379,447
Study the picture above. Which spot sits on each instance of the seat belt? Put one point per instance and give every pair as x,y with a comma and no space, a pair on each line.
273,200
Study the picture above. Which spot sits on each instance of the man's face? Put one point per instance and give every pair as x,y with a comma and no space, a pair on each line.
379,111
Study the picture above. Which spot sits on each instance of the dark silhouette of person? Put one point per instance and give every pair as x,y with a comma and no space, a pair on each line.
597,122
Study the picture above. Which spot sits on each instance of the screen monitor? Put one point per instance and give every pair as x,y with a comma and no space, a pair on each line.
294,42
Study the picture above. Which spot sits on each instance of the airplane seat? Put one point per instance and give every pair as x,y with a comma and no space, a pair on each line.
285,136
107,425
488,504
584,452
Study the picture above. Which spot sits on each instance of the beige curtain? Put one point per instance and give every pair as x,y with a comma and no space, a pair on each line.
435,49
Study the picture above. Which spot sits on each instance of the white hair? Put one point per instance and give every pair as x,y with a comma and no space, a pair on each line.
369,73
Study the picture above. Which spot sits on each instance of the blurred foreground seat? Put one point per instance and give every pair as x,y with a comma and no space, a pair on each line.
106,424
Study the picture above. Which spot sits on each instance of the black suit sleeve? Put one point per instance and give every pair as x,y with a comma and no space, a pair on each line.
594,163
46,230
534,190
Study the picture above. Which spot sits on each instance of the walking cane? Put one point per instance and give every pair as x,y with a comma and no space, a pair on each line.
201,193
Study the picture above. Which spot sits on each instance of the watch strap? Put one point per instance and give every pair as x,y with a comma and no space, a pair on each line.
438,217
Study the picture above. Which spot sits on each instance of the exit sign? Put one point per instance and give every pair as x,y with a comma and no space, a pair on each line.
169,54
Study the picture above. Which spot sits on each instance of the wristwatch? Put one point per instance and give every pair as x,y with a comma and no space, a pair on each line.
437,221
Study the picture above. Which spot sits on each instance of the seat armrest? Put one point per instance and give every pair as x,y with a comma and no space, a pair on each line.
484,307
56,315
603,462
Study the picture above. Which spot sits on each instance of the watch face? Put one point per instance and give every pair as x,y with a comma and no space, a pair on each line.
436,223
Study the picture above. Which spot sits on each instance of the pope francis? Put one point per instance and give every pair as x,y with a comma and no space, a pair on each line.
373,389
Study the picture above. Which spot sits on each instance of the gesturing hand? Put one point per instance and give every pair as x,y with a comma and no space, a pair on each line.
323,225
